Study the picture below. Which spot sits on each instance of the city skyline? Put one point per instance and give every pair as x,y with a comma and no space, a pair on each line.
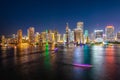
54,14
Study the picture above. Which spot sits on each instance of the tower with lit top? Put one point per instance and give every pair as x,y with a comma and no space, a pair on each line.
19,36
78,33
31,37
67,35
3,40
109,31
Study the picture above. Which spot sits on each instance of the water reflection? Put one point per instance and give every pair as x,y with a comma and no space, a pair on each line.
78,55
98,62
82,55
87,55
27,60
47,60
110,67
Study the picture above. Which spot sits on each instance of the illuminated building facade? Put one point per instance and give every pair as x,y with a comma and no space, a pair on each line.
86,36
67,33
64,37
109,31
31,37
78,33
55,35
98,35
19,36
51,36
43,36
118,36
37,37
3,40
58,37
71,36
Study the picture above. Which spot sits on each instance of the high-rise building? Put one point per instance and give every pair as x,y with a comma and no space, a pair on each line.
37,37
3,40
71,36
118,36
78,33
58,37
86,36
80,25
109,31
64,37
43,36
31,37
67,33
19,36
55,35
98,34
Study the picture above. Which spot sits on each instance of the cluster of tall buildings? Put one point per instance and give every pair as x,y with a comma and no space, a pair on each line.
77,35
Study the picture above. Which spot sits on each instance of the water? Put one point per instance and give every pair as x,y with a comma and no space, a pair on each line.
32,64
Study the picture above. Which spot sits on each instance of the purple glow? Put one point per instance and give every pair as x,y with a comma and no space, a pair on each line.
82,65
56,49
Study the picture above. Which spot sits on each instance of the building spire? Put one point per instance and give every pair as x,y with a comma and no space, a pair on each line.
67,26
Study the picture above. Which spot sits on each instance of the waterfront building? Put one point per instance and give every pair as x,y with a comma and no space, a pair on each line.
98,35
86,39
55,36
78,33
37,37
31,37
43,36
58,37
109,31
64,38
67,33
118,36
3,40
19,36
71,36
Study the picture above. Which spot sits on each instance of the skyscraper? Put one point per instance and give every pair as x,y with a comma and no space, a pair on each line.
37,37
19,36
86,36
118,36
67,35
78,33
98,34
109,31
3,40
31,37
80,25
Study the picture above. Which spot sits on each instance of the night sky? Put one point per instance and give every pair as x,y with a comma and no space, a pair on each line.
53,14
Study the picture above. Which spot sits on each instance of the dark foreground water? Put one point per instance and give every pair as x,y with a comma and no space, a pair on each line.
30,64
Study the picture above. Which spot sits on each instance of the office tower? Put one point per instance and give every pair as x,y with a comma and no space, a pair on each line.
86,36
13,36
51,36
3,40
118,36
98,35
67,33
19,36
109,31
58,37
31,37
71,36
80,25
78,33
55,35
43,36
37,37
64,38
92,37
